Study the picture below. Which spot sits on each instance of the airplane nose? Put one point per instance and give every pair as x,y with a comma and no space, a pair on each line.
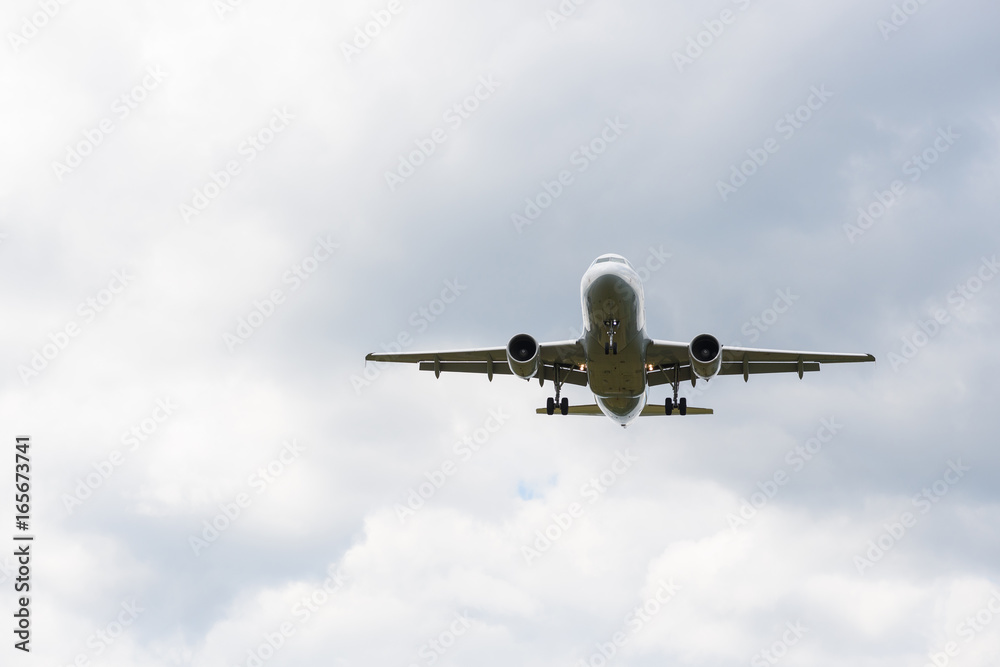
608,286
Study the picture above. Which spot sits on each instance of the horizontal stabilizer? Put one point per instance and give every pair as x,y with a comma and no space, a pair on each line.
577,410
660,411
648,411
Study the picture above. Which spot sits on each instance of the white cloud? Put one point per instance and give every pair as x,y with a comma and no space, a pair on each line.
365,451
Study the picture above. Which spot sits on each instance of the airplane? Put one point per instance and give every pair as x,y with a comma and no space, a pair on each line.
615,357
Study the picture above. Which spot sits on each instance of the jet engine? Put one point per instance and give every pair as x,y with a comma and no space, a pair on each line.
522,355
706,356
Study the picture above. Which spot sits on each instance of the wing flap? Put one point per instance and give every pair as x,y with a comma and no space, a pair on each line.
668,353
666,356
499,367
753,368
567,353
570,376
661,376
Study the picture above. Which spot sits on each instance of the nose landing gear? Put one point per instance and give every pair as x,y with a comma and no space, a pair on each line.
611,346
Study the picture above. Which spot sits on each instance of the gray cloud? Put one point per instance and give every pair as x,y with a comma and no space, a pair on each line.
369,445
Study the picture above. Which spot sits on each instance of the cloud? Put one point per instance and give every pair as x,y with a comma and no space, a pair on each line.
153,108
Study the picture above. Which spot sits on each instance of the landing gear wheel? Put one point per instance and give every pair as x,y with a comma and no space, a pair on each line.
684,406
611,347
669,406
552,403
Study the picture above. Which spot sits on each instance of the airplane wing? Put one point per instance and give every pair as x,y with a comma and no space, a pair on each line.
569,355
668,357
755,354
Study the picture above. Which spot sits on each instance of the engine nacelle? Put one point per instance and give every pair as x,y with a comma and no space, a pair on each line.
522,355
705,352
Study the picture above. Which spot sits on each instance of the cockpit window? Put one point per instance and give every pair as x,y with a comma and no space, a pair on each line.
619,260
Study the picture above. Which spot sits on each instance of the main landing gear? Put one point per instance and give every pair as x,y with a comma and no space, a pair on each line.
682,404
551,403
611,347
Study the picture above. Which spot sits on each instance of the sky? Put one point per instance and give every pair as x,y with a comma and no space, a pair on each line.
211,210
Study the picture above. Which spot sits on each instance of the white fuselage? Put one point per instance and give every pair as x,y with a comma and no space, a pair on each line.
611,291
